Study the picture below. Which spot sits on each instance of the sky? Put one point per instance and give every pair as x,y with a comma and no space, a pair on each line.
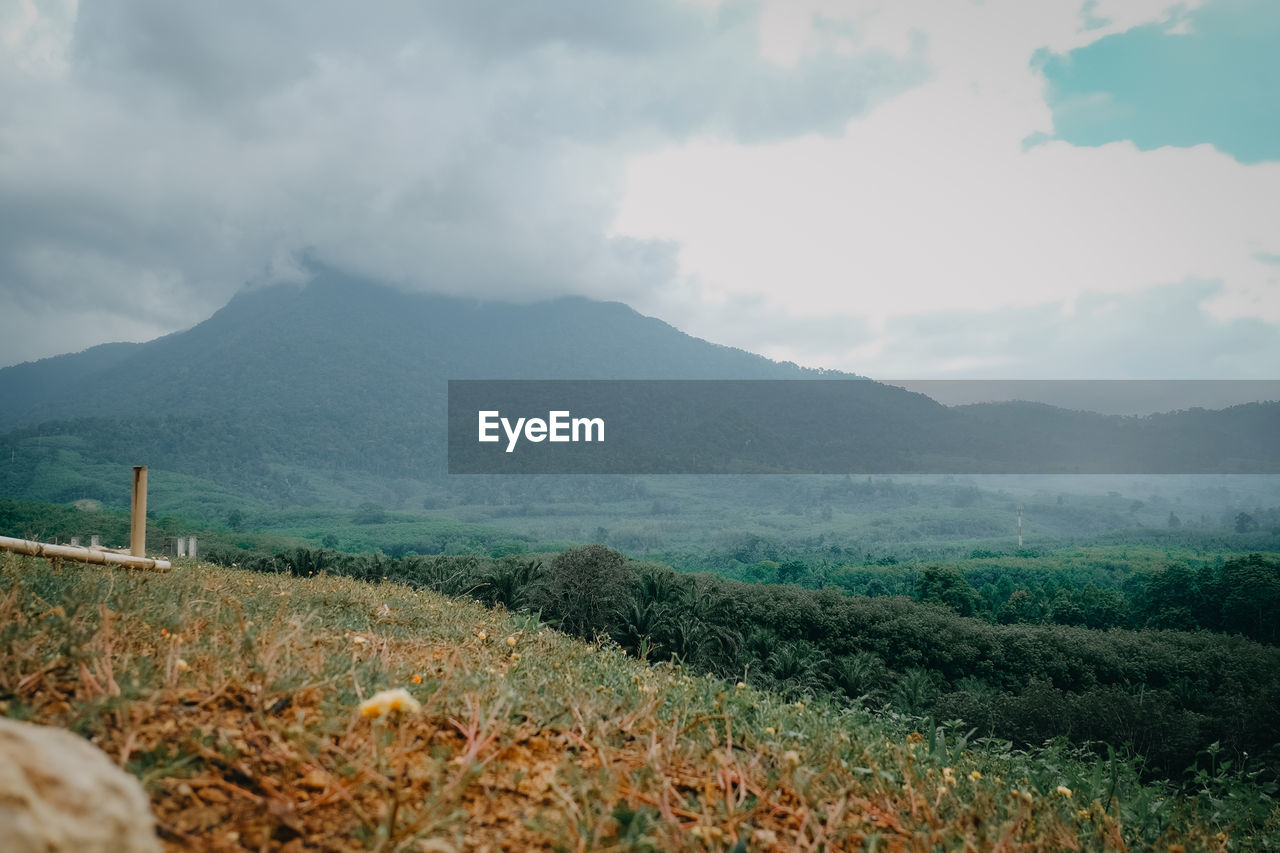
911,188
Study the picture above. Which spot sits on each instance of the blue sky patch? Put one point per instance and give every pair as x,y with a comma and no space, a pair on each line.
1218,83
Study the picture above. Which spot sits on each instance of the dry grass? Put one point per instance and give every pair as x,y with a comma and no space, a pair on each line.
234,697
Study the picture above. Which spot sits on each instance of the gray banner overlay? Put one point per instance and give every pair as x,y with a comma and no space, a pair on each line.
859,426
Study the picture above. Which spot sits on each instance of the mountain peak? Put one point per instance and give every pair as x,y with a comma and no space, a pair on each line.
339,337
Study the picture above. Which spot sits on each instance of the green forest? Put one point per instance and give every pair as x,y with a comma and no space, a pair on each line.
1165,691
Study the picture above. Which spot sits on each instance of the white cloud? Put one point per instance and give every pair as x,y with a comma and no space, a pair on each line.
35,36
933,203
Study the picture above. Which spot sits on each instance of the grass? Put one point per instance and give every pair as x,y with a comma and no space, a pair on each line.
234,697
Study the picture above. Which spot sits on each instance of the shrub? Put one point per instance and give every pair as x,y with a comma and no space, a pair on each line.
582,589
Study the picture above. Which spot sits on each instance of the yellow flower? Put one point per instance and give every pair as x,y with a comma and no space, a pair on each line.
975,775
417,679
511,641
791,756
742,685
483,636
397,701
769,730
1064,790
515,657
182,665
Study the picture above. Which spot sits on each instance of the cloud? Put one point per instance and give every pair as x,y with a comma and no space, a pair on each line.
884,222
932,212
848,185
158,156
1104,336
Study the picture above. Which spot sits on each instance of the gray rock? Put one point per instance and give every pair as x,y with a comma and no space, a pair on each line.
58,792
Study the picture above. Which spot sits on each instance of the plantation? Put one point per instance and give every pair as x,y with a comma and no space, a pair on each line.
1163,695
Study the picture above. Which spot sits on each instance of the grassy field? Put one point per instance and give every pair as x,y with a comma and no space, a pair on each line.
248,705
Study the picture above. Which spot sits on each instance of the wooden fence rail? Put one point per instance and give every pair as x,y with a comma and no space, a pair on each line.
81,555
135,558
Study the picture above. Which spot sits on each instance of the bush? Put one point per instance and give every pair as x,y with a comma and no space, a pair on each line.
583,589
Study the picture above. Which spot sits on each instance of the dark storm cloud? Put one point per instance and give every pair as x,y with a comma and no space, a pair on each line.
462,147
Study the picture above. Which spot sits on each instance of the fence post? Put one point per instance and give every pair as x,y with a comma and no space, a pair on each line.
138,513
191,547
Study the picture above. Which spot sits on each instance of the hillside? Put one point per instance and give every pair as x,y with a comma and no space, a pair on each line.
345,341
288,385
333,395
236,699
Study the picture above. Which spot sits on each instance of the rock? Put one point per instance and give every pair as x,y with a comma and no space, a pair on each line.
58,792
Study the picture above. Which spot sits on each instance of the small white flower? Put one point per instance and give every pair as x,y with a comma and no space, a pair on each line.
396,701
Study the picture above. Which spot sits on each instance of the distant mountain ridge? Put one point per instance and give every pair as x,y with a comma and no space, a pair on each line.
286,386
341,341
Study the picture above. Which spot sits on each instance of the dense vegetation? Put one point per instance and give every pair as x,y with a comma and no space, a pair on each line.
1188,592
1166,695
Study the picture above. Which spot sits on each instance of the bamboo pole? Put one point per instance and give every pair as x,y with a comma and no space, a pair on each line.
81,555
138,513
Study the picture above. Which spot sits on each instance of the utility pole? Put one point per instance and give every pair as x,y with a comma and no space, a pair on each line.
1019,525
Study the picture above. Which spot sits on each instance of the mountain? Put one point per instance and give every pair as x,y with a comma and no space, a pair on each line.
342,375
340,341
344,379
36,384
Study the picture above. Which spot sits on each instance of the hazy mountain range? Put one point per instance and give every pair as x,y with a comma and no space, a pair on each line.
348,376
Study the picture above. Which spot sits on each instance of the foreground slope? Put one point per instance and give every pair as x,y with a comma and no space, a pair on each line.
236,699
